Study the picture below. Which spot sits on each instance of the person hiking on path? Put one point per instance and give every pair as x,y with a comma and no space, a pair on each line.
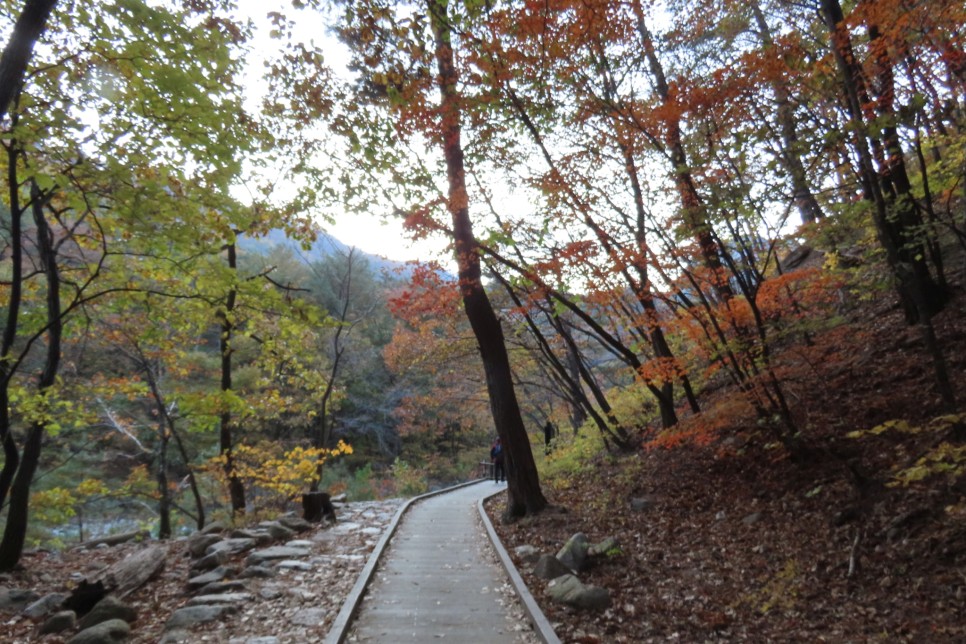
496,457
549,433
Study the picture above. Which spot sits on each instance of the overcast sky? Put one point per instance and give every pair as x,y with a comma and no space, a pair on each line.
368,233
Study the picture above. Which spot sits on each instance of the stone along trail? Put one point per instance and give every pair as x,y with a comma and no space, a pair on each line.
440,580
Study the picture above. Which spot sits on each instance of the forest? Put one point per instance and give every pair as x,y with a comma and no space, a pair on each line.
692,247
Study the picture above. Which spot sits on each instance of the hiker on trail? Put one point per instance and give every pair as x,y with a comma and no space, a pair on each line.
496,457
549,432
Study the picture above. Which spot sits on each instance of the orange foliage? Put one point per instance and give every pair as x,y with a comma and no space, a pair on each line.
704,428
799,294
428,294
658,371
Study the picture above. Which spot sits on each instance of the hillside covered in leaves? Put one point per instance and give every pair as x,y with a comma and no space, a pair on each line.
729,538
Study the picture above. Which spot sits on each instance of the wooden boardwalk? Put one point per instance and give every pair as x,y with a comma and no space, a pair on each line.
440,579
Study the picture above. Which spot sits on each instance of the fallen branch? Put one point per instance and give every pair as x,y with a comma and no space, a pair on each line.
854,564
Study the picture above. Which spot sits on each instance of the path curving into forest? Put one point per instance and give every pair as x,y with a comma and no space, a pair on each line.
437,575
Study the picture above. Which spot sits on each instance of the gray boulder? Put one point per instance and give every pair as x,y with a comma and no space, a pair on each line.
199,542
309,617
527,553
278,531
65,620
109,608
210,562
223,598
176,637
220,587
45,605
113,631
214,526
257,572
210,577
261,537
295,523
294,564
275,552
549,567
798,257
752,518
569,590
15,599
231,546
191,615
599,549
574,553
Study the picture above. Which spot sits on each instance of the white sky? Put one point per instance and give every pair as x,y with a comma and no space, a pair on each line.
366,232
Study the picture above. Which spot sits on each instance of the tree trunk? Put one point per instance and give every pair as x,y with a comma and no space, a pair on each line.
11,452
13,63
808,207
192,482
641,286
15,533
693,211
524,495
578,409
236,490
643,292
164,493
570,374
905,257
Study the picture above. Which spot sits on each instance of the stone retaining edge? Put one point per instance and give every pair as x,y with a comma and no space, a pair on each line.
541,624
340,627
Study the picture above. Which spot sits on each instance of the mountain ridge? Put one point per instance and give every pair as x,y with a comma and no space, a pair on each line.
326,245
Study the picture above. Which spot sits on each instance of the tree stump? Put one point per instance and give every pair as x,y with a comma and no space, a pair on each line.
317,506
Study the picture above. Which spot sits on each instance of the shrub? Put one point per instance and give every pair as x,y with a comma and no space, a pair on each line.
409,480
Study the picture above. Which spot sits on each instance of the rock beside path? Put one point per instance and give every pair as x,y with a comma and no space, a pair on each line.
549,567
210,577
290,592
193,615
109,608
45,605
571,591
15,599
114,631
275,552
64,620
133,572
574,553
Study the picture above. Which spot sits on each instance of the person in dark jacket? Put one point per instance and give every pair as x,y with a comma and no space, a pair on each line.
497,458
549,433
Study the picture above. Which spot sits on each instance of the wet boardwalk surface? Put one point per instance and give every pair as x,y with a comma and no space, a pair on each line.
440,579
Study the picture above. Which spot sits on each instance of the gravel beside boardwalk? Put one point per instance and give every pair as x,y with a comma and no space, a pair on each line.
440,580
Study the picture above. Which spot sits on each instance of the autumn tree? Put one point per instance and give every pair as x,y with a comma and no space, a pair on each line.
395,53
442,406
99,195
